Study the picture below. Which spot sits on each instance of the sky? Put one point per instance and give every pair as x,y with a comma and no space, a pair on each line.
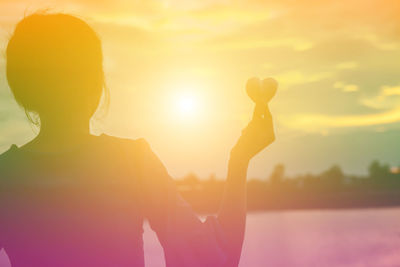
177,69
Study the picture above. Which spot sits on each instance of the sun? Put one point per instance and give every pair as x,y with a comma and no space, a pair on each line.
187,105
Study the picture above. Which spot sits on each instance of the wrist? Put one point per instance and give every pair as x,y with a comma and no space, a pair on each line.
238,160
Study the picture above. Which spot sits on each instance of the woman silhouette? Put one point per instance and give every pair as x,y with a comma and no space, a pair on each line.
68,198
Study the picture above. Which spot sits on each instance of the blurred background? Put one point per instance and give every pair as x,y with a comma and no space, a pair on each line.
176,70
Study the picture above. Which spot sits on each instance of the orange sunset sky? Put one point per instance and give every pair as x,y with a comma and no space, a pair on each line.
176,70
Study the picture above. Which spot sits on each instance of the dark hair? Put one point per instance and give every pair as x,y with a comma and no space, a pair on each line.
55,64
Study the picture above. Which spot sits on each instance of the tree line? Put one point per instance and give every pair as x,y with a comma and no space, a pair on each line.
331,188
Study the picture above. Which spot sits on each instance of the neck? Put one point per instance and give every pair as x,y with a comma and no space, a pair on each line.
63,129
60,134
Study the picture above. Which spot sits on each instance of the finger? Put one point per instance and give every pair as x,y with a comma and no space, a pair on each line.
259,111
267,120
267,114
264,120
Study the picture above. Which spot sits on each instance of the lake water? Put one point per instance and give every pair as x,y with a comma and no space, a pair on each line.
368,237
357,238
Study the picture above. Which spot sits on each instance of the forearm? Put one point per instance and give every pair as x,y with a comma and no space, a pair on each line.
232,214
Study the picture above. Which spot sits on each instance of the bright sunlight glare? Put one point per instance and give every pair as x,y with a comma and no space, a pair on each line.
187,105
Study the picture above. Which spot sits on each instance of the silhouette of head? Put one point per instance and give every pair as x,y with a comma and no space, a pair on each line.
54,66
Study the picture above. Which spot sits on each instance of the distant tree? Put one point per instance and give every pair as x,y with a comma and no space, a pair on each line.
377,170
332,178
191,179
213,185
212,177
277,175
381,177
307,181
333,172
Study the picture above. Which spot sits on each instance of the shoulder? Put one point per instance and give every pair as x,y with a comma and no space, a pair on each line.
135,150
7,160
7,156
139,151
139,145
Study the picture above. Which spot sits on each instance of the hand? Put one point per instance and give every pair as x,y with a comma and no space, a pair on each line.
258,134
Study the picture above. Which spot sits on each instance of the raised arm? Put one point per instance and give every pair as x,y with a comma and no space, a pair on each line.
232,215
187,241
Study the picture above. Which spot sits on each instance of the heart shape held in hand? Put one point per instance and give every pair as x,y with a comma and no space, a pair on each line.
261,91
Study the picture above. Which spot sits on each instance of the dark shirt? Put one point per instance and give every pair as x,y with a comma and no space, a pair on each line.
86,207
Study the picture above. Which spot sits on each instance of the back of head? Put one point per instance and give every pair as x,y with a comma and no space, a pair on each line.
54,65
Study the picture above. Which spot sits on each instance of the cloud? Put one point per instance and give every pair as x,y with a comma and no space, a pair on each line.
321,123
292,43
391,90
346,87
388,97
349,65
381,43
295,77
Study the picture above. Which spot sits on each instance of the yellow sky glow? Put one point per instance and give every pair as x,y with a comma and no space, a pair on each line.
177,69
